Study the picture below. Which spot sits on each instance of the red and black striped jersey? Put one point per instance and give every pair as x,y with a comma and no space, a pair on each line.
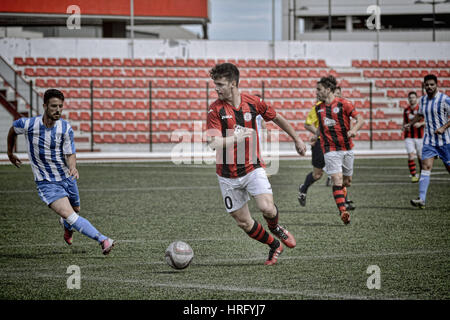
409,114
334,123
223,119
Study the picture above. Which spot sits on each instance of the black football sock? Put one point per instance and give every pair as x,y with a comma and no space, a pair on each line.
309,180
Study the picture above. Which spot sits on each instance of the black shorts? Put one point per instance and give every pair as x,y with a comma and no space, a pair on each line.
318,160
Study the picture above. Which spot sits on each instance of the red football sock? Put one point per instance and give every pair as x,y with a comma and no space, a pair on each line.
260,234
272,222
339,197
412,167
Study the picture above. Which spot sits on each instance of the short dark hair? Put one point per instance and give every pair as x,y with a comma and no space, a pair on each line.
338,88
53,93
328,82
226,70
430,77
412,92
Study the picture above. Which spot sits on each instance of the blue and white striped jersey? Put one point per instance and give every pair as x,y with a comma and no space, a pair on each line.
436,112
47,147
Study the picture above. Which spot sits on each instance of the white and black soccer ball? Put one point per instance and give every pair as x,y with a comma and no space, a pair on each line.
179,255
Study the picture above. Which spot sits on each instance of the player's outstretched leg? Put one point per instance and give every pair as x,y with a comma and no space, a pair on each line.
303,188
279,231
339,198
348,203
260,234
68,231
274,253
424,182
412,170
83,226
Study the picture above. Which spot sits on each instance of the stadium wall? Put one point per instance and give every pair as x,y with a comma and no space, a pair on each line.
336,53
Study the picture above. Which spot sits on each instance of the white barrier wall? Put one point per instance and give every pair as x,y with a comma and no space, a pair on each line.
336,53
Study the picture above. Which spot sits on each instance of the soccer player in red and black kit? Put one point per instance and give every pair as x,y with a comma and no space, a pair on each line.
231,131
413,135
336,135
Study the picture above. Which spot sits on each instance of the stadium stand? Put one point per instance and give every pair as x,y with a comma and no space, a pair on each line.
179,93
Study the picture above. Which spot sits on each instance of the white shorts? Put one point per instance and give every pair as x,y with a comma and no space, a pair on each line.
235,191
414,145
339,161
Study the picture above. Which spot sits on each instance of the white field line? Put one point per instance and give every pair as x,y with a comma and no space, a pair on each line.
217,287
307,293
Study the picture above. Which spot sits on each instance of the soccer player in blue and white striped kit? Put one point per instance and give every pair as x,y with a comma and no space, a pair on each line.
435,108
51,151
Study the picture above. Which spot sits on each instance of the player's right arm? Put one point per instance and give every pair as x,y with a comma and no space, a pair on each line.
311,124
416,118
215,139
215,142
12,139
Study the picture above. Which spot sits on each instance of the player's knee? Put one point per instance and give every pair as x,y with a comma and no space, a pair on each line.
317,175
76,209
268,209
245,225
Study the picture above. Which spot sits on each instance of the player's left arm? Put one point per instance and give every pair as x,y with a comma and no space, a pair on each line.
300,146
442,129
359,123
72,164
70,153
12,141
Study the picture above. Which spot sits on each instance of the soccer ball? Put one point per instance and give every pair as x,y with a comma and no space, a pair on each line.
179,255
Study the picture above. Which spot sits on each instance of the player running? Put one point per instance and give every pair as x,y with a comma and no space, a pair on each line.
413,136
317,159
231,131
434,107
51,151
336,139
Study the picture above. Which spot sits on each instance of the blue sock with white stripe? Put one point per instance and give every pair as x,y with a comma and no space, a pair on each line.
83,226
424,182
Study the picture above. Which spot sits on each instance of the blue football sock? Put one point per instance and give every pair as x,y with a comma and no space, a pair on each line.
83,226
67,226
424,182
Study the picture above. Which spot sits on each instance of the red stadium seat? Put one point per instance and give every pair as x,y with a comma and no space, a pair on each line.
142,127
119,138
142,138
98,138
130,127
107,127
117,94
119,127
129,115
19,61
365,64
396,74
107,138
384,64
141,116
85,127
140,105
85,62
119,116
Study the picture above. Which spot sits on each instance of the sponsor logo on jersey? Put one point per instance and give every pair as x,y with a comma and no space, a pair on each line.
247,116
336,110
227,117
329,122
